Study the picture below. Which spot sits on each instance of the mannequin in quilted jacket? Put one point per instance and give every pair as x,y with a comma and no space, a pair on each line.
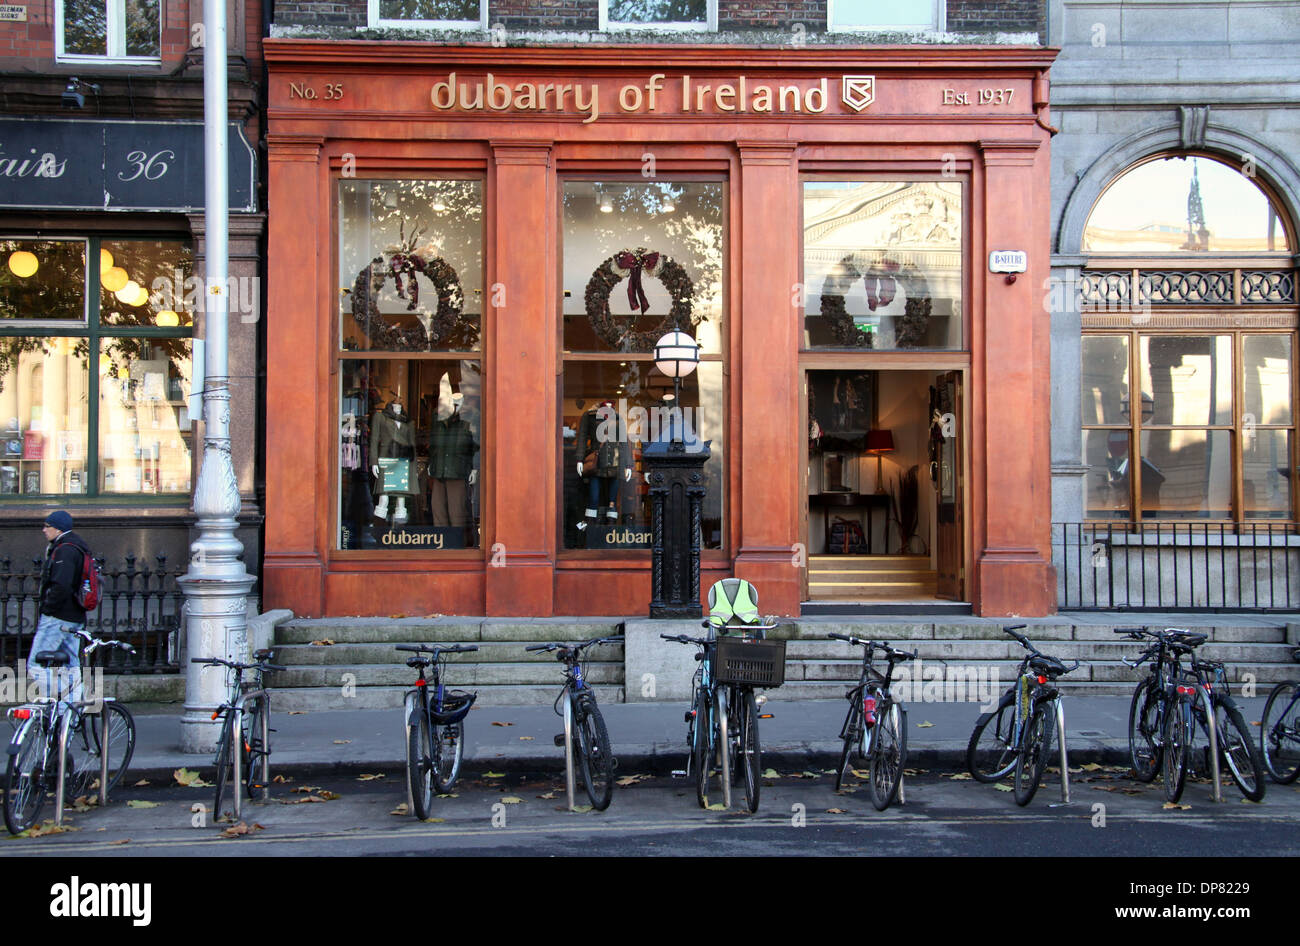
392,436
602,438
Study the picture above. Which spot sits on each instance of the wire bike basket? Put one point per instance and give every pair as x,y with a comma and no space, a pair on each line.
749,661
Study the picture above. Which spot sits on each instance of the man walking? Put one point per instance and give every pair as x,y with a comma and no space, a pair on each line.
61,616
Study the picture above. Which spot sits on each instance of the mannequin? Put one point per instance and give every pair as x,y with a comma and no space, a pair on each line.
392,436
452,445
612,459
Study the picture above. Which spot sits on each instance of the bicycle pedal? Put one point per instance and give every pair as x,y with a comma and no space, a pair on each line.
559,740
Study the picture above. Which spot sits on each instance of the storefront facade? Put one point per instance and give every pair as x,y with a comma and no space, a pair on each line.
472,251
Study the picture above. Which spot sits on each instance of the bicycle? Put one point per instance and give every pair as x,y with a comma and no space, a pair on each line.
1206,685
1279,737
52,726
875,729
1155,694
1021,738
435,726
254,730
595,757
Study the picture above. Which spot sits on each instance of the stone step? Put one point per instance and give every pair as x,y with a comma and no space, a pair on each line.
440,630
319,699
801,690
988,631
461,676
966,672
1231,652
386,653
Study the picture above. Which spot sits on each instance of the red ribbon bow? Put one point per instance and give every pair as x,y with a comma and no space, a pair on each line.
631,261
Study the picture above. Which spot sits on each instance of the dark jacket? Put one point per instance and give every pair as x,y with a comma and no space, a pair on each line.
612,456
451,448
391,435
60,576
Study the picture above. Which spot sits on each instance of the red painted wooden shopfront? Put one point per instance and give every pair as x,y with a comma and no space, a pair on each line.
527,134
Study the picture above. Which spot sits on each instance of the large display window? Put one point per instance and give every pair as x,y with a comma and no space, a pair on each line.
409,437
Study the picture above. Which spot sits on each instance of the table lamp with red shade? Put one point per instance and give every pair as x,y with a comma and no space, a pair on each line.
880,442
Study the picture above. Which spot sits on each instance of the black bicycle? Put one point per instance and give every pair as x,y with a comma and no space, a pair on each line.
435,726
1155,694
1279,736
595,757
247,705
875,729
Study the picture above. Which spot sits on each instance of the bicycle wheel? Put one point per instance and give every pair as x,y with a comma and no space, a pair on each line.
225,760
1032,758
448,749
888,756
1279,738
1177,747
26,777
1144,731
991,753
117,721
81,763
853,732
254,749
722,737
702,746
750,751
419,761
597,760
1238,752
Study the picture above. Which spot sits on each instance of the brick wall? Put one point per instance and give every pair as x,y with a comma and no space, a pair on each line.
1001,16
771,14
545,14
321,12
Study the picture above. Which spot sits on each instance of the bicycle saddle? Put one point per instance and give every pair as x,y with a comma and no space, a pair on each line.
52,658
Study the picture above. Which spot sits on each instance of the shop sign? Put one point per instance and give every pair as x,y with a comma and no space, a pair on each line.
11,13
422,537
618,537
1008,261
90,164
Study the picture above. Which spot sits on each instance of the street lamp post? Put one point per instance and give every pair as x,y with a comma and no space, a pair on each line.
216,586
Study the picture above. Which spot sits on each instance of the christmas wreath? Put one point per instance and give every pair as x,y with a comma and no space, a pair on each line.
446,327
632,264
882,286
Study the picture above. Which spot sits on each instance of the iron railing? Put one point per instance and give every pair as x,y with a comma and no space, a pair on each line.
138,605
1183,566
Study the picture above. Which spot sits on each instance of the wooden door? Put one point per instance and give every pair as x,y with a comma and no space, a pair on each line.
946,459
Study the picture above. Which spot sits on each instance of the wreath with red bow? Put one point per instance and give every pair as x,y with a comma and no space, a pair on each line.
882,287
632,265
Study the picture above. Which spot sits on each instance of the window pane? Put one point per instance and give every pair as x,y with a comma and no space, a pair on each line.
1186,474
152,282
667,238
1266,379
882,264
1188,378
85,27
608,506
429,10
409,454
142,37
1181,205
43,279
1106,454
411,265
43,390
1104,398
883,13
144,422
1266,474
658,11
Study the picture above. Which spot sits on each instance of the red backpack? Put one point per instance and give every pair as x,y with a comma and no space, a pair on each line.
87,592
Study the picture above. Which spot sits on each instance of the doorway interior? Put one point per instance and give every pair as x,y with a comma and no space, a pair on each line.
884,487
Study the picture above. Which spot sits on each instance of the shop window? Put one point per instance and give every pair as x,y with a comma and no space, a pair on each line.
640,260
883,14
435,14
659,14
108,29
882,264
131,315
411,281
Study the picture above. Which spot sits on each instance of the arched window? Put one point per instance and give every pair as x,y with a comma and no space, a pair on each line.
1189,315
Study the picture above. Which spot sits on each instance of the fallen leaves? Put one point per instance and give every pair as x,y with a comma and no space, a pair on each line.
837,811
510,799
495,723
400,810
142,783
283,779
1174,806
187,779
627,780
925,725
140,803
548,795
957,776
121,841
297,712
241,829
770,773
1002,788
366,777
717,806
526,738
341,742
44,828
494,775
324,642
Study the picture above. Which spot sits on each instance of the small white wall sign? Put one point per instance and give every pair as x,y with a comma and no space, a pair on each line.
1008,261
10,13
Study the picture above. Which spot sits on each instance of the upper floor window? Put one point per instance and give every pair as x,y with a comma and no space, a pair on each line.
659,14
883,14
108,29
438,14
1186,204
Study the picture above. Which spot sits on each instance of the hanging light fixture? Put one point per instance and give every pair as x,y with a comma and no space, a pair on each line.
114,278
23,264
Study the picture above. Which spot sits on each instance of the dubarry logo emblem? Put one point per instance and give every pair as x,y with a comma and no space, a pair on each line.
858,91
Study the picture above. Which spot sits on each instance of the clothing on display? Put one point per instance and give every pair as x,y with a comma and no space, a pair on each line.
603,460
452,446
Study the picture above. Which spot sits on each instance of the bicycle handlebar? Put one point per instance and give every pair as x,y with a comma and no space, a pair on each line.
435,650
234,665
555,645
888,649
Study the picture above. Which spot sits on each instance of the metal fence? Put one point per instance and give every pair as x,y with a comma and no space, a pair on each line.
138,605
1185,566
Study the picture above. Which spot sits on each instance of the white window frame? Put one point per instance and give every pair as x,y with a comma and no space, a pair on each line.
710,24
116,28
938,22
481,23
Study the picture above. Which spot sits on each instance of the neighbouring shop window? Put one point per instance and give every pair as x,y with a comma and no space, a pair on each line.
131,314
640,260
111,29
659,14
880,15
409,441
444,14
1207,434
882,266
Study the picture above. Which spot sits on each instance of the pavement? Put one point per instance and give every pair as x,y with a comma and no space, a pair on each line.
647,737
